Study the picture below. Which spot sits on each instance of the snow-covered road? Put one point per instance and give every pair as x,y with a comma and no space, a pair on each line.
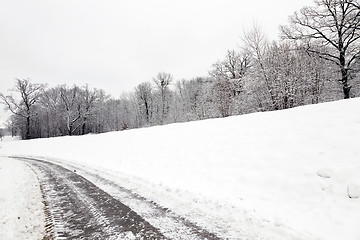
77,208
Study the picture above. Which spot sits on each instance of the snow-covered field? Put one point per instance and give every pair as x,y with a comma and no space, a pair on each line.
292,174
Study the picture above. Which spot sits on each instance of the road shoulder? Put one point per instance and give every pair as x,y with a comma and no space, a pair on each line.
22,210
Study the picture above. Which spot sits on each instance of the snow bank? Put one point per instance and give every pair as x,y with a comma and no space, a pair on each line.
253,175
22,211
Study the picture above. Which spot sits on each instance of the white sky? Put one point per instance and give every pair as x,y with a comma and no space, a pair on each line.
116,44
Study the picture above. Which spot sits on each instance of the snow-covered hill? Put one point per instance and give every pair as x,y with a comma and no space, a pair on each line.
275,175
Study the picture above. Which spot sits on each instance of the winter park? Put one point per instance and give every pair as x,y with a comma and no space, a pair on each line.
180,120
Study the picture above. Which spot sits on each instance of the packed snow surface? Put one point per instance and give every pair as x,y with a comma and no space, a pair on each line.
21,208
276,175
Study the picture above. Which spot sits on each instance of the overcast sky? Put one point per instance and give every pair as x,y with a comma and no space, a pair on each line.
116,44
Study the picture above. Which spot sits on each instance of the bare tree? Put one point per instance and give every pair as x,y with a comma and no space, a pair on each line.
29,95
234,66
71,108
89,98
162,81
256,43
223,97
331,30
144,95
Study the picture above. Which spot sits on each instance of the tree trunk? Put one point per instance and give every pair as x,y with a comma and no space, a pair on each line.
27,133
344,74
70,130
83,127
346,90
345,83
147,112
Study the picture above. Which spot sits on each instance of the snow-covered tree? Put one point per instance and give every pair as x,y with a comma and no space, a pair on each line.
233,66
23,105
71,108
144,98
330,29
162,81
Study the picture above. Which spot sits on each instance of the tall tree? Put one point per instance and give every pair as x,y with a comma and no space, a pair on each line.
256,43
71,108
162,81
29,95
89,99
144,96
52,112
331,30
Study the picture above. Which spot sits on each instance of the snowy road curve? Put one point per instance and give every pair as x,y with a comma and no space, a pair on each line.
78,209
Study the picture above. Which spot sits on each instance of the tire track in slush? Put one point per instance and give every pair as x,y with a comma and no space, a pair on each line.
80,210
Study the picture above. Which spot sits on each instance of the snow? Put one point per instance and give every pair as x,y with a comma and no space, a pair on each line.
9,139
354,191
325,173
22,211
275,175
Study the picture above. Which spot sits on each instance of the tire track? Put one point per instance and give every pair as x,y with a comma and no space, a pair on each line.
80,210
170,224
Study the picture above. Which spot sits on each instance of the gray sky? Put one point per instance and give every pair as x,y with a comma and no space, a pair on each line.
116,44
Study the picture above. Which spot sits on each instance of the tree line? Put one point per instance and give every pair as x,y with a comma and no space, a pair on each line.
316,61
